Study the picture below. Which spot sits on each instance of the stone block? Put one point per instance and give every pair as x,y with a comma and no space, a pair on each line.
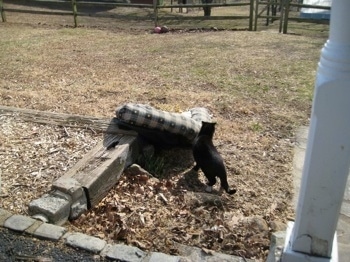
70,186
121,252
19,222
345,208
160,257
78,207
49,231
89,243
33,227
276,246
195,254
56,209
60,194
4,215
344,252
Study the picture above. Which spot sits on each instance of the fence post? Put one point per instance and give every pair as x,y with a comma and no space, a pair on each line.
282,4
286,16
251,15
75,13
256,15
268,12
155,7
3,16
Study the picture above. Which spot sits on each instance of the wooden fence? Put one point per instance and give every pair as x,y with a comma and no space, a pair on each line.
287,5
273,10
152,4
270,10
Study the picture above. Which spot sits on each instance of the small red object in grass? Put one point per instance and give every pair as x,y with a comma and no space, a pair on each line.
157,30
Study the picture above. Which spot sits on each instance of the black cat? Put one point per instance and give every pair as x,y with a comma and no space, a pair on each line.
208,158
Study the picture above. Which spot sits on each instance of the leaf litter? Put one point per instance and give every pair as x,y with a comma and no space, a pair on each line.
150,212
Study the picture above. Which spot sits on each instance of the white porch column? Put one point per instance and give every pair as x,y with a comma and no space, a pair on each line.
327,157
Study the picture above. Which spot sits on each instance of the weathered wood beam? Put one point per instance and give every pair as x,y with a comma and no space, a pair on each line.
106,125
101,168
87,182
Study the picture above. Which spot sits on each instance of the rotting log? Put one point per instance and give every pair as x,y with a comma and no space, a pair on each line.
106,125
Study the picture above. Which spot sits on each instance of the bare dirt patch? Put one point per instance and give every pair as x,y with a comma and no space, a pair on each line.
258,86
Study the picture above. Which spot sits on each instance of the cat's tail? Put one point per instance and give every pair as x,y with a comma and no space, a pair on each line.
225,186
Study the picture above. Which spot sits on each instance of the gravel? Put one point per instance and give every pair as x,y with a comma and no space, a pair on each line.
19,247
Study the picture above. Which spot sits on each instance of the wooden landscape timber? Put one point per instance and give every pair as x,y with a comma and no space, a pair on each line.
95,124
90,179
101,168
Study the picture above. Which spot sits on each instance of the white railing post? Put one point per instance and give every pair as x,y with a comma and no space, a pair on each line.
327,160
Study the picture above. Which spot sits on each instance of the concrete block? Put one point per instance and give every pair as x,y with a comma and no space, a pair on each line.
78,207
41,217
344,252
195,254
276,246
56,209
347,191
220,257
49,231
160,257
32,228
19,222
124,253
4,215
345,208
343,230
70,186
89,243
60,194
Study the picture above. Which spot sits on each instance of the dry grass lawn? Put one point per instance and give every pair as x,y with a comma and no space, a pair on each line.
257,85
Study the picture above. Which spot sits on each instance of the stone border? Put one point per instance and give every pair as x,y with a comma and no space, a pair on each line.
41,230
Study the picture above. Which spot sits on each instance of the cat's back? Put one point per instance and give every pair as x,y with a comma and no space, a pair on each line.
204,150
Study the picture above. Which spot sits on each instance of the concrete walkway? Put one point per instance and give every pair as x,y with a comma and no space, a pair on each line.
343,229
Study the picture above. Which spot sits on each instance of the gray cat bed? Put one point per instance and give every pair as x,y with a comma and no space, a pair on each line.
162,128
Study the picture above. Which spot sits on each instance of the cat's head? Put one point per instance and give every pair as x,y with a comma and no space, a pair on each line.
208,128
